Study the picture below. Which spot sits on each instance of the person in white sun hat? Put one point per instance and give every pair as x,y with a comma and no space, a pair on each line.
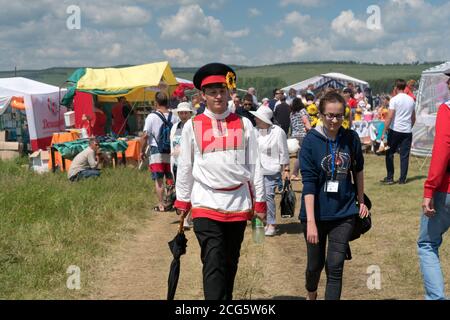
184,111
274,157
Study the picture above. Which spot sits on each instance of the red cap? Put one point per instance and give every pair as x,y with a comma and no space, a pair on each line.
213,79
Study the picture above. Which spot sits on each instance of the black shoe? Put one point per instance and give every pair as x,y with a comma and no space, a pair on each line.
387,181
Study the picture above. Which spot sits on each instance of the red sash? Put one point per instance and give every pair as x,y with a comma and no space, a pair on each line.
218,135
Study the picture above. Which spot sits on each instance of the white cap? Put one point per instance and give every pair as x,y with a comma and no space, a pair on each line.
264,114
183,106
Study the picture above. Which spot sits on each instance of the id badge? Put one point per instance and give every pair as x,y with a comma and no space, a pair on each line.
332,186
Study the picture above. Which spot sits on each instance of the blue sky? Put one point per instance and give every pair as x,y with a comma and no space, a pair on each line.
34,34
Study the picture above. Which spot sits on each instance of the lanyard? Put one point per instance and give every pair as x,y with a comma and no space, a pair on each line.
334,153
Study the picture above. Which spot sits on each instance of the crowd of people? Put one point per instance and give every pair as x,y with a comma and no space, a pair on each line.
224,156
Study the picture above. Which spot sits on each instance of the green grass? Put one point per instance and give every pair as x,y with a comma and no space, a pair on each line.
48,224
391,244
296,72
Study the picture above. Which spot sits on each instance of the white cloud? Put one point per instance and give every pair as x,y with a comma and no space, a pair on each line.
44,41
190,23
204,36
254,12
238,33
347,29
411,3
274,31
177,55
116,16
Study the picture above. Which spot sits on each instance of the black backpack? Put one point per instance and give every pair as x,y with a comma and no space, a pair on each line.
163,140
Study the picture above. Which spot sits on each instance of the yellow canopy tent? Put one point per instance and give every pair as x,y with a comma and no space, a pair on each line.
137,83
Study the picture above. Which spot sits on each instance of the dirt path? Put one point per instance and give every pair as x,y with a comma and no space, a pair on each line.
139,267
274,270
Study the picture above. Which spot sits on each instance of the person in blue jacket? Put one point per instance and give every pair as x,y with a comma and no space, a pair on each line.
328,207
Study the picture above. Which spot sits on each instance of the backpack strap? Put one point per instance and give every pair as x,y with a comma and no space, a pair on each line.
163,119
161,116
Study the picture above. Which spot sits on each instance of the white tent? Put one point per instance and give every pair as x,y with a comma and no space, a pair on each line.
433,91
181,80
333,79
42,108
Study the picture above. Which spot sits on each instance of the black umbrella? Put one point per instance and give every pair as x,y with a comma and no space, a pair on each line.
178,248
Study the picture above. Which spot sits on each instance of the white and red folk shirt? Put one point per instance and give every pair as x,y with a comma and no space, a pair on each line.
439,173
219,172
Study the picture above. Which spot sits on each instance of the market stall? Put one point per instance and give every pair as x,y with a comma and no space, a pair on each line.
39,102
91,88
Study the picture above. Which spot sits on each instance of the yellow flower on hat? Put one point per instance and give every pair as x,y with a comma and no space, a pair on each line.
346,124
231,80
312,109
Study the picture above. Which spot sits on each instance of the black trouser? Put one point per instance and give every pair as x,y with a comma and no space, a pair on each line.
220,244
398,140
338,233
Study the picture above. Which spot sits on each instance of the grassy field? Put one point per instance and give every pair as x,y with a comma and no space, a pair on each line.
379,76
296,72
48,224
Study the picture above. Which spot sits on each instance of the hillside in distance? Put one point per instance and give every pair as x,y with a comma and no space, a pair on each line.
380,77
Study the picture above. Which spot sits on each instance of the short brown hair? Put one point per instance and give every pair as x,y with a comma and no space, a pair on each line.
400,84
161,99
248,97
330,97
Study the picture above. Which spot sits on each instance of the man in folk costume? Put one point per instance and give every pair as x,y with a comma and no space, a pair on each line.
219,180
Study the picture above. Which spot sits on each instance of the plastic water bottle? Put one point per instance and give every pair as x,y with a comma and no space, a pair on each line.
258,231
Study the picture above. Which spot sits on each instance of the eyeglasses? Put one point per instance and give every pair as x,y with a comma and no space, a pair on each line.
248,104
278,92
331,116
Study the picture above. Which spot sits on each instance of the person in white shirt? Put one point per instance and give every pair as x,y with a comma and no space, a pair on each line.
400,120
219,179
159,163
252,91
274,157
184,111
84,165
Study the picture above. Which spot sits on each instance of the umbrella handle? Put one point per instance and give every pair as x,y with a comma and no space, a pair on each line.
181,225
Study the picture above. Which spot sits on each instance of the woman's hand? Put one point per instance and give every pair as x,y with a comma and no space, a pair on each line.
312,236
363,210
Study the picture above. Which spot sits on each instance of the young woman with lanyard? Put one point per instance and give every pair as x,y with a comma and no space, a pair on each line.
329,208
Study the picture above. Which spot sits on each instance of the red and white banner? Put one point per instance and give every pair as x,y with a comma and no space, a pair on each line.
44,117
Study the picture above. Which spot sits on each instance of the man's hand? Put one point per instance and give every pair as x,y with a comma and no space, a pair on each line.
182,213
261,215
143,155
428,207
